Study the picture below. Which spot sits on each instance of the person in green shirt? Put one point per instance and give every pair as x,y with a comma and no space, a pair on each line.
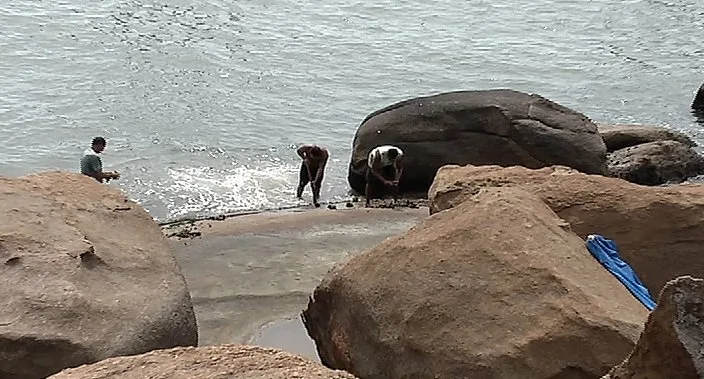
92,165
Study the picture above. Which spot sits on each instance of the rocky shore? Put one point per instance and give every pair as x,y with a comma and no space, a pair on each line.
489,277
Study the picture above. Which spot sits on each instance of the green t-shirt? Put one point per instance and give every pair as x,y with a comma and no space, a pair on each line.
91,163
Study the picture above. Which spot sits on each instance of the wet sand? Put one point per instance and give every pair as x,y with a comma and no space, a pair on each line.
250,276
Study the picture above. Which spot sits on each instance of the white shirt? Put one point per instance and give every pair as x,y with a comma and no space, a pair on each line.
382,153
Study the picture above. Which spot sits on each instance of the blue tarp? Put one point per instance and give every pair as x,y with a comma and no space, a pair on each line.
606,252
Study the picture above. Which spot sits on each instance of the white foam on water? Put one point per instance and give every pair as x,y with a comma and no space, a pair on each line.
201,190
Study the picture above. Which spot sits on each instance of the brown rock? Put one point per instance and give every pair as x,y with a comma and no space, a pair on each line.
502,127
86,275
659,230
656,163
672,342
620,136
207,362
497,287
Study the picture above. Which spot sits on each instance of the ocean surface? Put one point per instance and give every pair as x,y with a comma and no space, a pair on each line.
203,102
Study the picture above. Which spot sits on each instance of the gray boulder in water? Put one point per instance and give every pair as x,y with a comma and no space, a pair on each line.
501,127
621,136
656,163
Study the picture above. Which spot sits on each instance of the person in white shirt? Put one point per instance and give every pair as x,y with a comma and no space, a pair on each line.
384,170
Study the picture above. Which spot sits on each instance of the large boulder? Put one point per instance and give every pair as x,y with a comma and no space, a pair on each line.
656,163
672,342
659,230
502,127
497,287
219,361
620,136
86,275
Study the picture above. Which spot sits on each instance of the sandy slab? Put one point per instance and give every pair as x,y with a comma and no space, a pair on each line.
249,271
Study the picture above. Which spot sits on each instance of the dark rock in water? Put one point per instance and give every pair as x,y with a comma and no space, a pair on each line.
698,103
656,163
502,127
672,342
620,136
349,204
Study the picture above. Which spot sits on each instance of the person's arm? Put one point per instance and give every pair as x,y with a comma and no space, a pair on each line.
113,175
321,166
303,151
399,168
95,169
100,175
376,169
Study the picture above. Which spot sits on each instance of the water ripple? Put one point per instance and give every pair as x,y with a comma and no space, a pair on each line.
202,101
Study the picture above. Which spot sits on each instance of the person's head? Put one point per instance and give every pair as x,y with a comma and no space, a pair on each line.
98,144
393,154
316,151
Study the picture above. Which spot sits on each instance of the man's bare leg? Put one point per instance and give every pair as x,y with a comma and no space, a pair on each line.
302,181
315,187
299,191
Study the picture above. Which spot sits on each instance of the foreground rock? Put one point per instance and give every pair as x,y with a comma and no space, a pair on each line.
620,136
223,361
656,163
659,230
496,288
502,127
672,342
86,275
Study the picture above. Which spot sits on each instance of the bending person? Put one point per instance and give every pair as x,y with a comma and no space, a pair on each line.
384,170
312,169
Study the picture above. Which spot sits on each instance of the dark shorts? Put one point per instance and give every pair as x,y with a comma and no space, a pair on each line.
303,177
377,187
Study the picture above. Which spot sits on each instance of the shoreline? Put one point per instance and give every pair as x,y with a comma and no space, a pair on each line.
186,224
411,200
251,275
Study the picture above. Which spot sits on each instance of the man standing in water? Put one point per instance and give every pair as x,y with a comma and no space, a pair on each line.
92,165
312,169
384,170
